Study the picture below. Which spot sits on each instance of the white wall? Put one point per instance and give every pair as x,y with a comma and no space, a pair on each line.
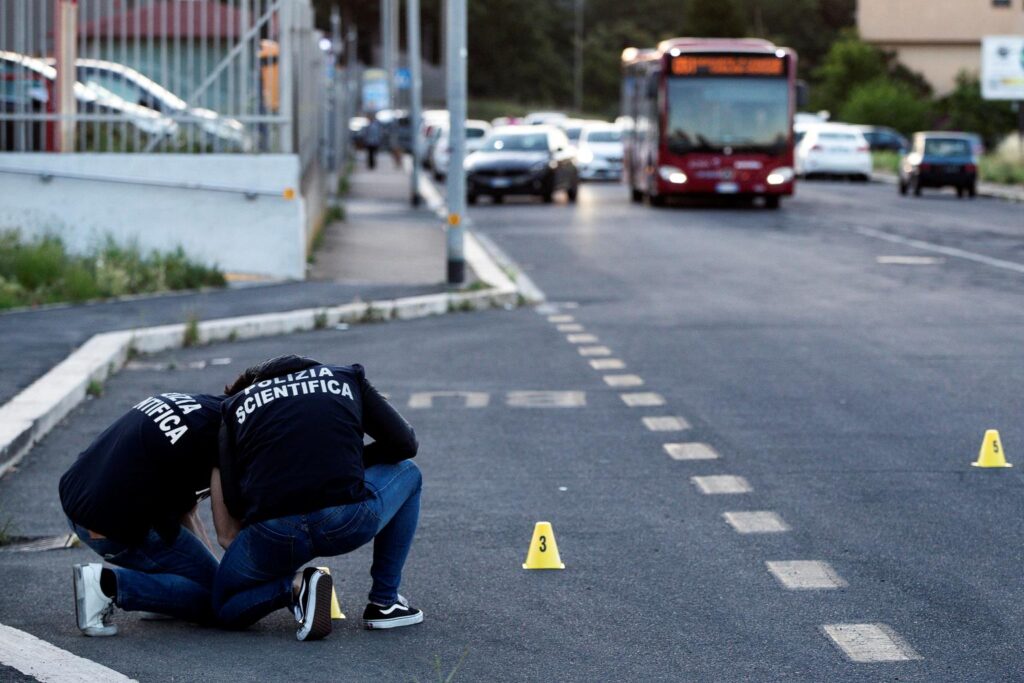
263,236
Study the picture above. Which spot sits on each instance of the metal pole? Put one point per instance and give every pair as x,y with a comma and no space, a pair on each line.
578,59
353,93
386,7
456,181
67,106
412,18
286,76
396,9
335,120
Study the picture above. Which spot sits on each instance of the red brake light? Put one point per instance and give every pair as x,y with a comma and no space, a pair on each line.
971,168
863,148
924,167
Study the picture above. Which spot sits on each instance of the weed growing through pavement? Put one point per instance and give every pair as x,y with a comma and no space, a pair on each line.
233,335
191,331
441,677
6,531
372,314
320,320
94,388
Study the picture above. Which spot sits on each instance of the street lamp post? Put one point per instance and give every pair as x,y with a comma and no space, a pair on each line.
456,180
415,92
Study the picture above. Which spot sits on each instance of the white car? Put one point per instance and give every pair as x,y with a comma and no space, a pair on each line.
441,153
430,121
599,154
834,149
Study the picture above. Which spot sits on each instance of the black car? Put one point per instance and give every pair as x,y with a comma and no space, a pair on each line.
940,159
533,160
884,139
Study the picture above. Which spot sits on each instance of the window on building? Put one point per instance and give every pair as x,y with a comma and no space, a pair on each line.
1000,3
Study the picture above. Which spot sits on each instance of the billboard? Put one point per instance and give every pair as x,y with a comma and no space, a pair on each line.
1002,67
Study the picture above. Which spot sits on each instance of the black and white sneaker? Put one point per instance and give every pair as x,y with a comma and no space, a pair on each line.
391,616
313,606
93,609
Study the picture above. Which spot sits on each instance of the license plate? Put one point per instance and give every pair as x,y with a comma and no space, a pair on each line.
501,182
727,188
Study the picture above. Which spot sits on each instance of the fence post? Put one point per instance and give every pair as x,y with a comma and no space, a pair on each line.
65,38
286,76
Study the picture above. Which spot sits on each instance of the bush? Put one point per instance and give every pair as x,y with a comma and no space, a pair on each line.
964,109
883,101
41,270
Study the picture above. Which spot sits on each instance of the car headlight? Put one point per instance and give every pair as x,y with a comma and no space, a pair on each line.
539,166
781,175
585,156
672,174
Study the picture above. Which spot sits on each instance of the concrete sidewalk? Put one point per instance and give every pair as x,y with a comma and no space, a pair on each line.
385,249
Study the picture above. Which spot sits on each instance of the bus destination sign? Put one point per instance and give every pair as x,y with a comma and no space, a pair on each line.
728,65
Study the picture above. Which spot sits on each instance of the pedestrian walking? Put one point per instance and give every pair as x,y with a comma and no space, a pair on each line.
372,139
131,496
296,482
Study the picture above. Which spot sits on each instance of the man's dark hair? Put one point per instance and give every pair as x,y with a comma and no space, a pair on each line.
268,369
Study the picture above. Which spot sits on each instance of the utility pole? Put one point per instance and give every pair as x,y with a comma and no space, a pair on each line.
386,7
578,58
412,19
393,15
338,121
455,41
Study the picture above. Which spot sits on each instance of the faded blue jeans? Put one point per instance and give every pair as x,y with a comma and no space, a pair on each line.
256,572
168,577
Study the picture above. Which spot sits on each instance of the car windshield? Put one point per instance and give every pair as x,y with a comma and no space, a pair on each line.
604,136
947,147
473,133
519,142
573,133
708,114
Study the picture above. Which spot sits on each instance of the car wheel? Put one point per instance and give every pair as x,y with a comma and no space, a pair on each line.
471,198
917,187
771,201
903,188
972,190
959,192
498,198
547,197
572,192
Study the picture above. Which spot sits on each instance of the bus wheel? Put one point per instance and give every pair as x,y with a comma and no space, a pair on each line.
771,201
636,195
571,193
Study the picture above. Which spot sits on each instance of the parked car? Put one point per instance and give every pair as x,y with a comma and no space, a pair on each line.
599,153
884,139
940,159
573,128
132,86
538,118
356,128
834,149
533,160
430,121
37,79
475,132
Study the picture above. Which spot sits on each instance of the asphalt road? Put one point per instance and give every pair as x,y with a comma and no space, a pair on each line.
850,393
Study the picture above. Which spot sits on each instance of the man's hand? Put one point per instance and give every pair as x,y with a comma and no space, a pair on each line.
227,527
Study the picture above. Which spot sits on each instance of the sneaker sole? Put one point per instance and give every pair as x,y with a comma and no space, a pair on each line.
320,625
394,623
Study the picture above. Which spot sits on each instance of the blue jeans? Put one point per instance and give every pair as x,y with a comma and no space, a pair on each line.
173,578
256,572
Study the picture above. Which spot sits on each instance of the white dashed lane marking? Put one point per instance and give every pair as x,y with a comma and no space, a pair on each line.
642,399
690,451
594,351
870,643
570,327
471,399
623,380
48,663
756,522
581,339
666,423
806,575
721,484
546,399
607,364
560,319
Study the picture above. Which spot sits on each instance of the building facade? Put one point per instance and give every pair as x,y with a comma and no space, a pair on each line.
938,38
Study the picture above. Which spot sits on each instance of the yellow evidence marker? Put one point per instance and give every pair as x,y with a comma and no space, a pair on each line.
991,453
336,612
543,553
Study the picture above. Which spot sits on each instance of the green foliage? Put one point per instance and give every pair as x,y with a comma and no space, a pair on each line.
715,19
320,320
7,531
94,388
964,109
886,101
41,270
848,64
1003,170
191,337
888,162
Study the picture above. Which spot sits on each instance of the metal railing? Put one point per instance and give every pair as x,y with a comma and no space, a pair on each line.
157,76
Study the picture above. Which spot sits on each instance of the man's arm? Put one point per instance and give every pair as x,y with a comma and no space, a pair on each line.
226,526
194,523
394,439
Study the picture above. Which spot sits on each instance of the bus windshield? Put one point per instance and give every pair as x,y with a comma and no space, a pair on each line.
745,114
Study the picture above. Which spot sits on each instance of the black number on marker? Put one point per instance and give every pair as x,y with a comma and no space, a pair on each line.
543,543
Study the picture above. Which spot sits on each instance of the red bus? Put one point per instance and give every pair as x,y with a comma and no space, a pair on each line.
709,116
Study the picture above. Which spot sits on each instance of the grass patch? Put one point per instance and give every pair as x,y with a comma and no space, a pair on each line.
191,337
319,320
94,388
992,168
886,161
41,270
7,534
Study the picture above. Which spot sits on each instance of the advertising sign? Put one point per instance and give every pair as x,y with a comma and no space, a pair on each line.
375,90
1002,67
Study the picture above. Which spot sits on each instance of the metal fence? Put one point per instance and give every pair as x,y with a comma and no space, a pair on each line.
193,76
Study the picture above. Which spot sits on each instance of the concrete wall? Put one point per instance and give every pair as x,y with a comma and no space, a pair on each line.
264,236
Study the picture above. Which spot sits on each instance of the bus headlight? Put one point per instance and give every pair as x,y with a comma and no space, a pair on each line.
781,175
672,174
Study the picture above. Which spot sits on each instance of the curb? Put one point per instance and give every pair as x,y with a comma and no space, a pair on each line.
37,409
1010,194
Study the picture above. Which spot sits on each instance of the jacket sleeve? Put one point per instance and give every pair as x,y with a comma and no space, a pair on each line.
394,439
229,471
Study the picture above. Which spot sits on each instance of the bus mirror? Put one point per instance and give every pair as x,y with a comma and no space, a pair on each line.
803,94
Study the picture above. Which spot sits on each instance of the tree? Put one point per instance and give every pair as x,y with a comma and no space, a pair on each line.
602,53
884,101
965,109
849,63
714,19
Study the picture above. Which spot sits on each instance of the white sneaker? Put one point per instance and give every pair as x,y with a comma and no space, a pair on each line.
92,608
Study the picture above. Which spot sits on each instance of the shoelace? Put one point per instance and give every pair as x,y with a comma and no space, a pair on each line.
107,614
